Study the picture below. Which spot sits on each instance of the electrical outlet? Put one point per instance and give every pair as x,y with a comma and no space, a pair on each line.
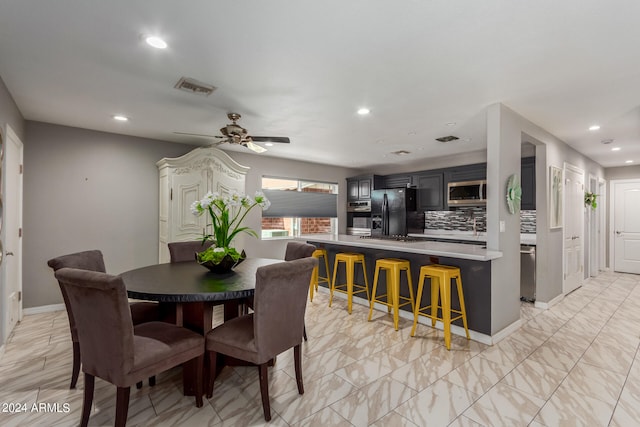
503,226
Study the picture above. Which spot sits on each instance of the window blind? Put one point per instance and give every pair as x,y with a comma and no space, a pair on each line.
300,204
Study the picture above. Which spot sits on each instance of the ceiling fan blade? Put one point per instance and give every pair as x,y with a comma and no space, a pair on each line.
282,139
254,147
199,135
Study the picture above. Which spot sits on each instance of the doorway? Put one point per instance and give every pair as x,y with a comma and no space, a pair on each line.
12,231
625,226
573,248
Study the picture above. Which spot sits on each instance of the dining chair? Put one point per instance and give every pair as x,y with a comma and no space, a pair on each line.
296,250
94,261
275,325
116,352
185,251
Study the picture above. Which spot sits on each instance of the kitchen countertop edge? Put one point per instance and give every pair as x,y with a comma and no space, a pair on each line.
444,249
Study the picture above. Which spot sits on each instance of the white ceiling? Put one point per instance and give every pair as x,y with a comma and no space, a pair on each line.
301,69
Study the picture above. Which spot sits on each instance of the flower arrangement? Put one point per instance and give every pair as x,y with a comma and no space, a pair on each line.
226,213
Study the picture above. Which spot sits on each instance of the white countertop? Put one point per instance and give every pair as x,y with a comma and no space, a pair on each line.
525,239
445,249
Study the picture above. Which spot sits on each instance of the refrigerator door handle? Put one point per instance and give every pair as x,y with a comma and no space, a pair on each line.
385,215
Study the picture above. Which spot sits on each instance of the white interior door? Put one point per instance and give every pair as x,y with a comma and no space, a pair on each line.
12,210
626,226
573,228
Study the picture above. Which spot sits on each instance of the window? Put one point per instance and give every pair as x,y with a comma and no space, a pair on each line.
299,207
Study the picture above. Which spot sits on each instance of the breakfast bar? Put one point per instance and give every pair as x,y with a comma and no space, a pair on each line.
474,262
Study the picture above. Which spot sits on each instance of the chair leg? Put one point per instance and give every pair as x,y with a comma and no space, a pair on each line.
213,356
139,385
264,391
298,365
76,364
122,406
152,381
197,366
89,381
304,333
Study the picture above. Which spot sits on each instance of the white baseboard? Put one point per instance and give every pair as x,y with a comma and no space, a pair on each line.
43,309
548,305
505,332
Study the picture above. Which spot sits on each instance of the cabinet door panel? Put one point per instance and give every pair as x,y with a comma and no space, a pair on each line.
430,192
364,188
352,189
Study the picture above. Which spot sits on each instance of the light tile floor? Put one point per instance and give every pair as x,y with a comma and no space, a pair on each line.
576,364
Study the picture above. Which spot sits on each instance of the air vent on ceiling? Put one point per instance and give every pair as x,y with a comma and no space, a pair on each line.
607,141
194,86
446,139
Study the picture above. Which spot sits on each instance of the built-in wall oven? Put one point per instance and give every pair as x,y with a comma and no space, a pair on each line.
359,217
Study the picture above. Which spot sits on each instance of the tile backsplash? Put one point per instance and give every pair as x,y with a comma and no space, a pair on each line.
463,219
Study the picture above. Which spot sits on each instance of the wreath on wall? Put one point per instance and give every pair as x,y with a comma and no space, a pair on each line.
514,194
590,199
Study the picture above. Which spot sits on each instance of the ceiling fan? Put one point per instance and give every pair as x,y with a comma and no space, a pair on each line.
233,133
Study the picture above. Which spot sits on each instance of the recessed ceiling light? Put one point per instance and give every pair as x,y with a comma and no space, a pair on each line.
451,124
412,133
364,111
120,118
594,127
616,149
269,144
466,139
628,161
380,141
155,41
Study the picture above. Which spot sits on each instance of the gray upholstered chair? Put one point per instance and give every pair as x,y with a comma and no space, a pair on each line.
93,261
185,251
275,325
112,350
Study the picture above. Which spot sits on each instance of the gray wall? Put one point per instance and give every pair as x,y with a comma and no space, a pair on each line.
9,115
88,190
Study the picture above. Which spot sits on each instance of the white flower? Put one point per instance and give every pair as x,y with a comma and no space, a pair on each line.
196,209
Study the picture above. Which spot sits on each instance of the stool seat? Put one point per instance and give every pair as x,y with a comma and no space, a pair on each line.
393,267
440,277
350,259
316,279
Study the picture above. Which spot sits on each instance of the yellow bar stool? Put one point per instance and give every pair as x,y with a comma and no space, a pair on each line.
393,267
440,277
350,260
316,279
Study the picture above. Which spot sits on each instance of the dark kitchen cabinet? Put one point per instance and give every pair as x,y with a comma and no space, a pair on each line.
360,187
430,192
467,173
528,184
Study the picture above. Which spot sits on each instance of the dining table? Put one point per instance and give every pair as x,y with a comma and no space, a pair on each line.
187,293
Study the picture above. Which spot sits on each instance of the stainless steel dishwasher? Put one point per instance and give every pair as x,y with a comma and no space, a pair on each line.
527,273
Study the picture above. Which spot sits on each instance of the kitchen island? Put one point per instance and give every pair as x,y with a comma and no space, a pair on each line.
474,262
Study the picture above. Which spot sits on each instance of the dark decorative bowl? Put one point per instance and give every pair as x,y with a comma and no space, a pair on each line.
225,265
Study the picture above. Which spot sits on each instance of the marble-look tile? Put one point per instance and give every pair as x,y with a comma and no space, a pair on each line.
320,344
534,378
477,375
18,410
319,394
393,419
232,395
188,416
379,398
504,406
463,421
409,350
362,348
365,371
566,407
320,364
254,416
595,382
424,371
603,355
437,405
168,397
326,417
627,412
557,354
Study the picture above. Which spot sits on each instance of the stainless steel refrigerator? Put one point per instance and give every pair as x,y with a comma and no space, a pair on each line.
393,212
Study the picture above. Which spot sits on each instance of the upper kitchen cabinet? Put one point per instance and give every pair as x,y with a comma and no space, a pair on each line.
528,183
360,187
430,191
467,173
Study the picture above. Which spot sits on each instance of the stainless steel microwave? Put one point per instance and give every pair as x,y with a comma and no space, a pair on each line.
467,193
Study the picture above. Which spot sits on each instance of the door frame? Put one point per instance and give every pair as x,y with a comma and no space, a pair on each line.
612,204
602,231
580,171
10,135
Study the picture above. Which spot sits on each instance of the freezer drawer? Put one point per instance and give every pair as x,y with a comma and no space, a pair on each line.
528,273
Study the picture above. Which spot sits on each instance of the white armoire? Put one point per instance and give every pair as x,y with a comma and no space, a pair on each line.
186,179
